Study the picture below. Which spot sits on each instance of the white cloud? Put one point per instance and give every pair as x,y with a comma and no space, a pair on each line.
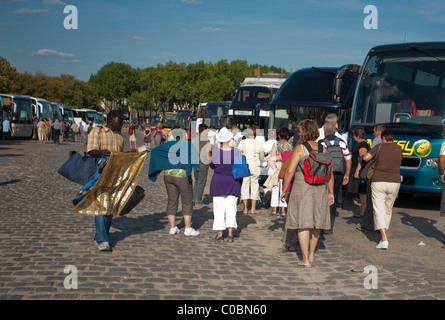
48,53
212,29
32,12
139,40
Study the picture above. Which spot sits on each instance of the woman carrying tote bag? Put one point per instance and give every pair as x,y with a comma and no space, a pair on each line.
385,182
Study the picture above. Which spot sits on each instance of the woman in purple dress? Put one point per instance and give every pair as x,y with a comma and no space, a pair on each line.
223,188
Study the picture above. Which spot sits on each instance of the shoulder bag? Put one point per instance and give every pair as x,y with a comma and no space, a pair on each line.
372,166
240,167
79,168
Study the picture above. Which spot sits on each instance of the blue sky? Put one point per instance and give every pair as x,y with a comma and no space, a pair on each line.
292,34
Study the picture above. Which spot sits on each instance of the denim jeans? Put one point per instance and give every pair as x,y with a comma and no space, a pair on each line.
103,224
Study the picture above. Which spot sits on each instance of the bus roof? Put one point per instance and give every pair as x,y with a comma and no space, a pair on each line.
15,96
409,46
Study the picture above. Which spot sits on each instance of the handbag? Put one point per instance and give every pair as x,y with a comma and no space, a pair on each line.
136,197
240,167
371,168
79,168
283,169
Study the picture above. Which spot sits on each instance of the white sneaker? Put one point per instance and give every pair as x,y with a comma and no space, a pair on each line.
104,246
383,245
174,230
191,232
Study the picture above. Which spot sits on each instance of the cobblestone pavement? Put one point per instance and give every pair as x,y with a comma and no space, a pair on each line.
41,234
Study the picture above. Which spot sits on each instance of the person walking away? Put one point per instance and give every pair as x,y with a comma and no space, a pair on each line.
40,130
86,130
46,130
281,146
57,131
101,142
223,188
132,134
74,131
385,182
308,206
179,184
341,160
203,145
254,153
330,118
7,130
358,185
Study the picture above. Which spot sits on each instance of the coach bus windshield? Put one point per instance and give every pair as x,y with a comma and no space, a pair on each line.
402,88
22,113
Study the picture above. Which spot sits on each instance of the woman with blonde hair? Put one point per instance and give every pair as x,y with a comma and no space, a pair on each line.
308,205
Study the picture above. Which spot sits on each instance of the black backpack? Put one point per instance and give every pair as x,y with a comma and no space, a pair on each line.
338,159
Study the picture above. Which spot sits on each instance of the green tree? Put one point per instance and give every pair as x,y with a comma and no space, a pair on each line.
7,75
115,82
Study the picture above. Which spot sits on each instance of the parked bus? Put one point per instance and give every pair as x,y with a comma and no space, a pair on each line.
168,121
403,87
63,112
19,110
42,109
215,114
85,115
154,121
251,104
100,118
187,120
313,93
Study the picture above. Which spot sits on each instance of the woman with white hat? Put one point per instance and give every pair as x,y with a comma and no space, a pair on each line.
223,188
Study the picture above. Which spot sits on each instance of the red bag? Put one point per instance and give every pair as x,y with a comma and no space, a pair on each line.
130,130
317,167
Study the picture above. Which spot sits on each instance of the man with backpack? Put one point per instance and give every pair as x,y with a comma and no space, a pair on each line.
341,162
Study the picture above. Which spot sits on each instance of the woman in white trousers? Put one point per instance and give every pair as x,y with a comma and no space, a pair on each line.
385,182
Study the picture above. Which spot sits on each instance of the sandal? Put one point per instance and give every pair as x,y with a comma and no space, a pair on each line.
218,239
254,212
304,265
288,249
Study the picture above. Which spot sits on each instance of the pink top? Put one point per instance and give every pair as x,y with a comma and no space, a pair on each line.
284,156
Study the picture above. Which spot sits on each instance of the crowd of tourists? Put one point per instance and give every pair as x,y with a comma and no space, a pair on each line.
309,210
277,179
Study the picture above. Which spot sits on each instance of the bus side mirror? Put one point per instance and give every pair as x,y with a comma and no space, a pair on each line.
337,89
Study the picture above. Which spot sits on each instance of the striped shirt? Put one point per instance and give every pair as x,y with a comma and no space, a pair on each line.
102,138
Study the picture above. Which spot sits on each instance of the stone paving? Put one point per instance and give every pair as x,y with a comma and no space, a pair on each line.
40,235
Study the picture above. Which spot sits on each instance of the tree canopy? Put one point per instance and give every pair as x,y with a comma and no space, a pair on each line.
119,85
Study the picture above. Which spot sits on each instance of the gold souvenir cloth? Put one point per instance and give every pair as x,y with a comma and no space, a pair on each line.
115,185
